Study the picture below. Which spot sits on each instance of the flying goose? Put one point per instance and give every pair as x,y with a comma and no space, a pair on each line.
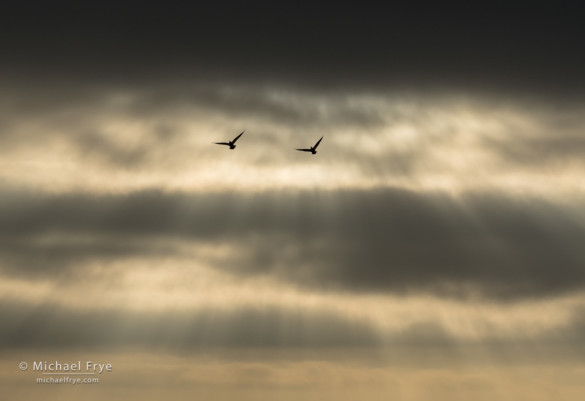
232,143
313,149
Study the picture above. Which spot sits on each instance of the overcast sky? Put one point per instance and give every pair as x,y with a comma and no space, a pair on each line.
431,249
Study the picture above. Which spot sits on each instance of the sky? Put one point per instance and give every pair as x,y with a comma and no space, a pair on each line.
431,249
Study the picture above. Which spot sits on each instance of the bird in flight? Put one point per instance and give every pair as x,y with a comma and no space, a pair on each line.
313,149
232,143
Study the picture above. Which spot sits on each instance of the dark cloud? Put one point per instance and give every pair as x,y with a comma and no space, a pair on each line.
80,103
545,138
66,258
108,148
532,47
554,150
376,240
270,104
52,326
93,122
165,117
99,145
570,333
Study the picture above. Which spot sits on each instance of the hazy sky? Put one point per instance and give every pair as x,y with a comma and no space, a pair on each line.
431,249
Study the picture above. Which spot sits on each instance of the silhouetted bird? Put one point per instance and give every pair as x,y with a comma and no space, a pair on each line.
231,144
313,149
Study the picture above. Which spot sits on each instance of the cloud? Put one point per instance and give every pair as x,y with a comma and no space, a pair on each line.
543,139
130,136
51,326
95,144
270,327
384,240
123,228
398,45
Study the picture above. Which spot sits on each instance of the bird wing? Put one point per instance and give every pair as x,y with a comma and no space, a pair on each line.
318,142
236,138
305,150
221,143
